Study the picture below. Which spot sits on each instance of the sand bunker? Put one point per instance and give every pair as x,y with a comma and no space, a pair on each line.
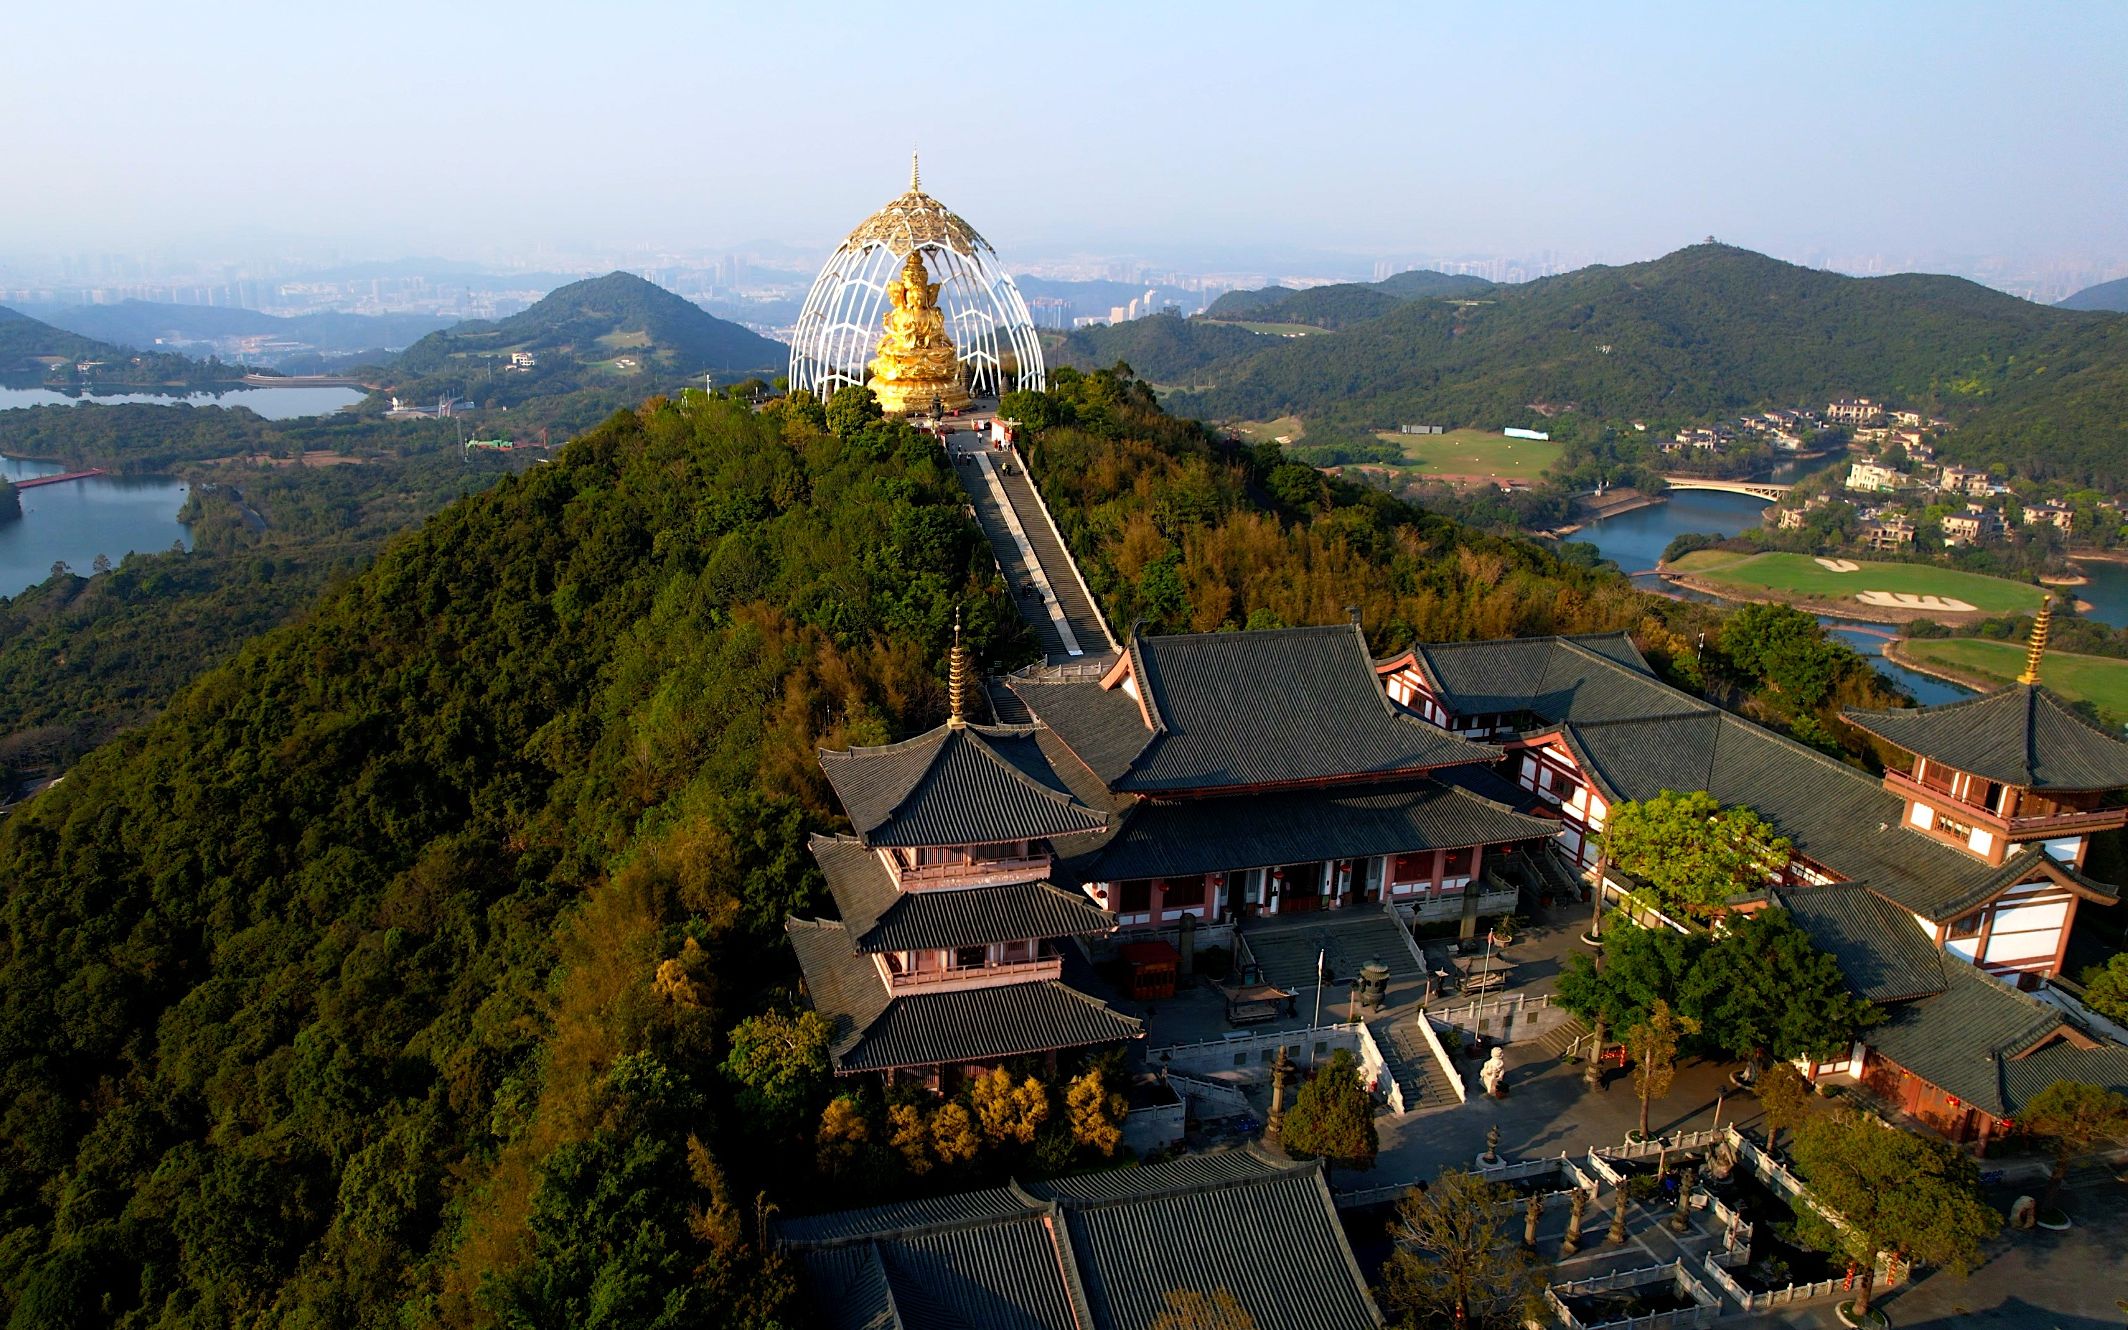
1900,600
1839,565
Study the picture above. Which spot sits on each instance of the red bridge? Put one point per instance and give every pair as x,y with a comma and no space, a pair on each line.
34,481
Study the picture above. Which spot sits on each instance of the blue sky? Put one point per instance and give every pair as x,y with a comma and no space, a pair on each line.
1618,130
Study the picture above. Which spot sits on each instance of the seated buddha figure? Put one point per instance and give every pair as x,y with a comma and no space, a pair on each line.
914,367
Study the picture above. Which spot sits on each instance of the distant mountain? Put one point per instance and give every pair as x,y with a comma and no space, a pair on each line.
141,323
1344,303
2111,296
596,324
1166,349
1707,330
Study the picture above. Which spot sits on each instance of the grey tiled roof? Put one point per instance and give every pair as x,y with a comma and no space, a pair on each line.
1262,830
1880,948
956,786
1833,814
1959,1039
2020,735
874,1030
1111,1246
2105,1067
1591,677
1286,706
880,916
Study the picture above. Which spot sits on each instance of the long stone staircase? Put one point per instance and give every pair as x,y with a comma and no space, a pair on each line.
1417,1072
1080,612
1019,571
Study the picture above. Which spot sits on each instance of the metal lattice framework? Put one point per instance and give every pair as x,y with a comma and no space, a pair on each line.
839,327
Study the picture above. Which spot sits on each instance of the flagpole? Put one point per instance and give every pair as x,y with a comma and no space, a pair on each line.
1487,969
1322,960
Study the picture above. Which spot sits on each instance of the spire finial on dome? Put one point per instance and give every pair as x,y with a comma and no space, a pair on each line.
916,179
2037,648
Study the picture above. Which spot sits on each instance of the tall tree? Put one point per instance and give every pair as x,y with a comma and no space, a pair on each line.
1640,967
779,1065
2106,987
1333,1116
1456,1261
1763,989
1653,1043
2073,1116
1690,851
1095,1112
1915,1197
1786,1100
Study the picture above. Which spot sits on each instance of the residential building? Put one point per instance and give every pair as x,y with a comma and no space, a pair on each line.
1854,411
1964,480
1975,526
1871,435
1911,419
1873,477
2061,518
1892,533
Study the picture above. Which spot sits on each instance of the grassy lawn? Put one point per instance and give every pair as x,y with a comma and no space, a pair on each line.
1474,452
622,341
2096,679
1264,431
1801,575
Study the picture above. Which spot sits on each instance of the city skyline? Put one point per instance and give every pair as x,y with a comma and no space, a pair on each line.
1260,142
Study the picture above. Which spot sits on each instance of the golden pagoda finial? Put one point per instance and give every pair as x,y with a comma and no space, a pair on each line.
957,676
2038,647
916,178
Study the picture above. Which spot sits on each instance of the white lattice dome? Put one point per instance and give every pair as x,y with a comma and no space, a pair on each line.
993,334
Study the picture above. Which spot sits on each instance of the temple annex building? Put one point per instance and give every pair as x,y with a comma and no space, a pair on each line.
1236,777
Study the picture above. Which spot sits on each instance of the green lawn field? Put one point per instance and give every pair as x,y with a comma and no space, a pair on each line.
1801,575
1265,431
2095,679
1474,452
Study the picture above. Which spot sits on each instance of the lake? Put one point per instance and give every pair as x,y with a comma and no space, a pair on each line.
1635,542
272,403
81,519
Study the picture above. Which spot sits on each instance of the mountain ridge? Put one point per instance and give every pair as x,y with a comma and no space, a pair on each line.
2109,296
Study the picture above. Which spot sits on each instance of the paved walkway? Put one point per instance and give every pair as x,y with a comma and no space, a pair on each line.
1036,565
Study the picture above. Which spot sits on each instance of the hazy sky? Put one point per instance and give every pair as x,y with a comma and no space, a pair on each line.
1624,130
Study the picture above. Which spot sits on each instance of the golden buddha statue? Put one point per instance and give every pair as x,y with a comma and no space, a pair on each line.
914,368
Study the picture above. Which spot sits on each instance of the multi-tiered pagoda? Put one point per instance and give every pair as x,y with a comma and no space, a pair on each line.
952,946
2012,773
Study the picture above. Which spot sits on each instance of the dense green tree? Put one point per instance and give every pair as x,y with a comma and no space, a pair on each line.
850,410
780,1063
2106,987
1762,989
1787,648
1641,966
1456,1262
1690,851
1332,1116
1912,1196
2072,1117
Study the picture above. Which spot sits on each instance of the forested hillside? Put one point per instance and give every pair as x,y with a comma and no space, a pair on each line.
40,352
334,997
1346,303
1705,331
1166,348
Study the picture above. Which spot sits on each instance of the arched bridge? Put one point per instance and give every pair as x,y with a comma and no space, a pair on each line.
1768,490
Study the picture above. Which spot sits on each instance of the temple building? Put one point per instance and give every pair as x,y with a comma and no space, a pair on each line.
1226,778
952,944
1100,1251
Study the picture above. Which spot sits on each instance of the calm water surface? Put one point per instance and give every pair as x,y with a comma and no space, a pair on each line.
1635,542
272,403
81,519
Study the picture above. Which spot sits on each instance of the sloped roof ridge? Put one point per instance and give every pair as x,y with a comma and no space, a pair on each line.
1193,1185
1090,1000
937,735
971,1217
1135,649
1577,643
